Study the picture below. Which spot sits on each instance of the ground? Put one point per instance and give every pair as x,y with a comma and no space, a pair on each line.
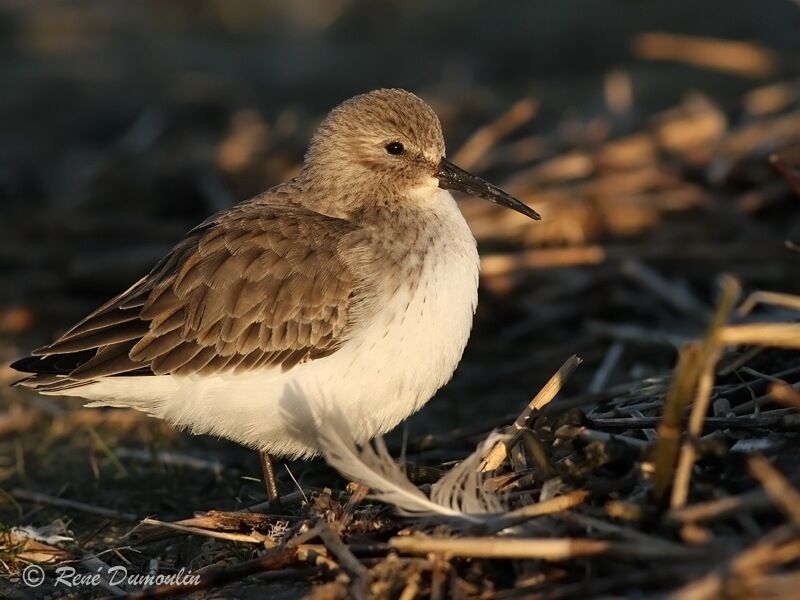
660,164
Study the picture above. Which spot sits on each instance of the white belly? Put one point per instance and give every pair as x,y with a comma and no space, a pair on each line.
387,370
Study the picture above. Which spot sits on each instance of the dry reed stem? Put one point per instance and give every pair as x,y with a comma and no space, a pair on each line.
487,136
709,357
740,58
785,394
533,548
771,98
499,451
789,301
500,547
547,507
497,265
670,428
221,520
255,538
688,454
775,335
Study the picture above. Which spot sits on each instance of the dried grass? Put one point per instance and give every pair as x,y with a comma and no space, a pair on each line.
674,441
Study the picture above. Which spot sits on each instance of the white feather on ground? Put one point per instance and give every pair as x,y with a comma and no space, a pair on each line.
462,489
459,494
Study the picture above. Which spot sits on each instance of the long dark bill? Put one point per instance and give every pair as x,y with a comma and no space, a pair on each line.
452,177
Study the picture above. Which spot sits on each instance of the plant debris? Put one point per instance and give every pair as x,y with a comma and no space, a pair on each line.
661,462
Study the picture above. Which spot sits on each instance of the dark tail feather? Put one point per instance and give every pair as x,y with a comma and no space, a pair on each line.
53,364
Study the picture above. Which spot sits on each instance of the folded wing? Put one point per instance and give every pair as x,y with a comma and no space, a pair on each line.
255,287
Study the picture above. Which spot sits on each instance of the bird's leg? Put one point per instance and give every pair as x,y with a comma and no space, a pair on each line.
270,481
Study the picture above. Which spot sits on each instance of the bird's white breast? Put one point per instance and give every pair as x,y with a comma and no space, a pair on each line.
415,341
391,364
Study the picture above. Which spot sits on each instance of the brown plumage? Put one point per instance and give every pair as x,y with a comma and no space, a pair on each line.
257,285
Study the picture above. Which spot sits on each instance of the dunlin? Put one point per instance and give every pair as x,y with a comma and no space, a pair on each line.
352,286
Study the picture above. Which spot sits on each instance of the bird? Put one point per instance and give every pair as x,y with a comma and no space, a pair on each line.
351,287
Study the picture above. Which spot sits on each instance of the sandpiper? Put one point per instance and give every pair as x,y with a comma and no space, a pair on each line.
352,286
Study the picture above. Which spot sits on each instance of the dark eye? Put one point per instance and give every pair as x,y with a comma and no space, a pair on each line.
395,148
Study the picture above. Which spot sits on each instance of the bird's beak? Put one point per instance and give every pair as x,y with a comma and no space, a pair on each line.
452,177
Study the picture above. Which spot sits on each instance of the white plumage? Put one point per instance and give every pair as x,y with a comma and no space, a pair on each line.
388,369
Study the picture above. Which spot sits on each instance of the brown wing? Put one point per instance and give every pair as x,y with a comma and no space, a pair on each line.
253,287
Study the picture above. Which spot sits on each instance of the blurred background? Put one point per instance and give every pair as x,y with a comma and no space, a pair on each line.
640,129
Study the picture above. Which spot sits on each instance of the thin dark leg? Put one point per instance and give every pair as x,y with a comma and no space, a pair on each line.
269,478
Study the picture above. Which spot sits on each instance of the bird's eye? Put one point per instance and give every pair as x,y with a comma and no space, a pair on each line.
395,148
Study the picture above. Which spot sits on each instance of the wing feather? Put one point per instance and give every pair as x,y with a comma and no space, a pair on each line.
258,286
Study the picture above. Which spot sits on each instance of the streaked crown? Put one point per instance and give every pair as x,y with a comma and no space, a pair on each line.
387,139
